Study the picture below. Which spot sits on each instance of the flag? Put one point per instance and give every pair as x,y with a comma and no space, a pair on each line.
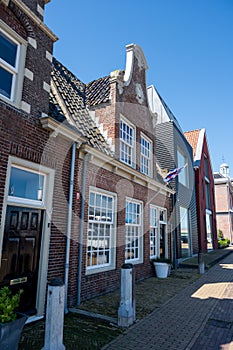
173,173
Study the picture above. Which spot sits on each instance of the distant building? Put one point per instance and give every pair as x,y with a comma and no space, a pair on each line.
224,201
204,183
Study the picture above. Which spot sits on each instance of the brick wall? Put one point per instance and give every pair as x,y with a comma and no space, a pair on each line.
103,282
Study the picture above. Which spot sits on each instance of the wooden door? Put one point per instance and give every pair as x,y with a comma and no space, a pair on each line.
21,253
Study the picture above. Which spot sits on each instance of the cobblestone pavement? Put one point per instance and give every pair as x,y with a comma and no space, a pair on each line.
200,317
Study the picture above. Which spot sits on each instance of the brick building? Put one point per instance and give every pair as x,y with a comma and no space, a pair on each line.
223,185
79,191
33,210
204,183
124,206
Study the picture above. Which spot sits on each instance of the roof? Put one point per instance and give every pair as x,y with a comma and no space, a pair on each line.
68,103
163,114
98,91
192,137
196,140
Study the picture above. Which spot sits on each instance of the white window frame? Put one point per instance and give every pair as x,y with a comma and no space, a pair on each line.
133,233
128,148
144,158
101,263
24,200
17,71
156,231
154,235
183,176
184,216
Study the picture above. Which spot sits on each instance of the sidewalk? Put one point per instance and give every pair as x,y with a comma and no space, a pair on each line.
200,317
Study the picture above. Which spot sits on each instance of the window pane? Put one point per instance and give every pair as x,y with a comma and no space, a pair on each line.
5,83
99,230
8,50
25,184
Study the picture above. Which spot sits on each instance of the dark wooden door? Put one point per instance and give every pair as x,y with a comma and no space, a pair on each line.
21,253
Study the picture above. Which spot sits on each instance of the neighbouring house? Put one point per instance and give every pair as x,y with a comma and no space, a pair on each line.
174,151
34,163
79,191
204,183
223,185
121,213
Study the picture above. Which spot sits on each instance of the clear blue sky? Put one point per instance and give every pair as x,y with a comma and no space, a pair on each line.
188,45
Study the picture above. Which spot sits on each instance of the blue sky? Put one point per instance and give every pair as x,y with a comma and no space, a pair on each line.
188,45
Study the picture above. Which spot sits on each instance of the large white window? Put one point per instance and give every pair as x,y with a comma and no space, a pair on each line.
145,155
153,232
9,52
133,227
158,232
12,60
183,175
127,143
185,235
101,221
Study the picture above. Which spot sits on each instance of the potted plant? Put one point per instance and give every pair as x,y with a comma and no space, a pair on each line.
11,322
162,267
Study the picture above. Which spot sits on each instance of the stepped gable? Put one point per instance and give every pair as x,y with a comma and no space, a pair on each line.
98,91
71,96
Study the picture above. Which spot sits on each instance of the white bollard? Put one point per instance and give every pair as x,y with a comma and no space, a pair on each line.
55,316
201,263
127,309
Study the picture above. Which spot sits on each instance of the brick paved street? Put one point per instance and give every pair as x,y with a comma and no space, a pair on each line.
200,317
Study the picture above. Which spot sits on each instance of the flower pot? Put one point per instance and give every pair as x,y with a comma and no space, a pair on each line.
162,269
10,333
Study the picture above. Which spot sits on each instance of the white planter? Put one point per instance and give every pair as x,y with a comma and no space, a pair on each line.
162,269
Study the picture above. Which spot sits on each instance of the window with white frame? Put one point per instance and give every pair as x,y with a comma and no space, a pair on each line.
145,155
158,224
133,234
127,143
12,59
101,221
153,232
26,185
183,175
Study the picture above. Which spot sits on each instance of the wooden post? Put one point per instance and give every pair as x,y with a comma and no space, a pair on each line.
55,316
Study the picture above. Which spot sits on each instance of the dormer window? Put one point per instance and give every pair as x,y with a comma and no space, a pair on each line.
12,60
127,143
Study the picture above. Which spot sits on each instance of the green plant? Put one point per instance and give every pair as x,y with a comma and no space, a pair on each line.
220,234
164,260
222,243
8,304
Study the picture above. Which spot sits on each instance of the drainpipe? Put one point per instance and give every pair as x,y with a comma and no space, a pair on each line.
81,229
69,221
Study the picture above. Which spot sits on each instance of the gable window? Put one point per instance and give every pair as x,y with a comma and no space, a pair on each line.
127,143
145,156
183,175
101,221
133,227
12,59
